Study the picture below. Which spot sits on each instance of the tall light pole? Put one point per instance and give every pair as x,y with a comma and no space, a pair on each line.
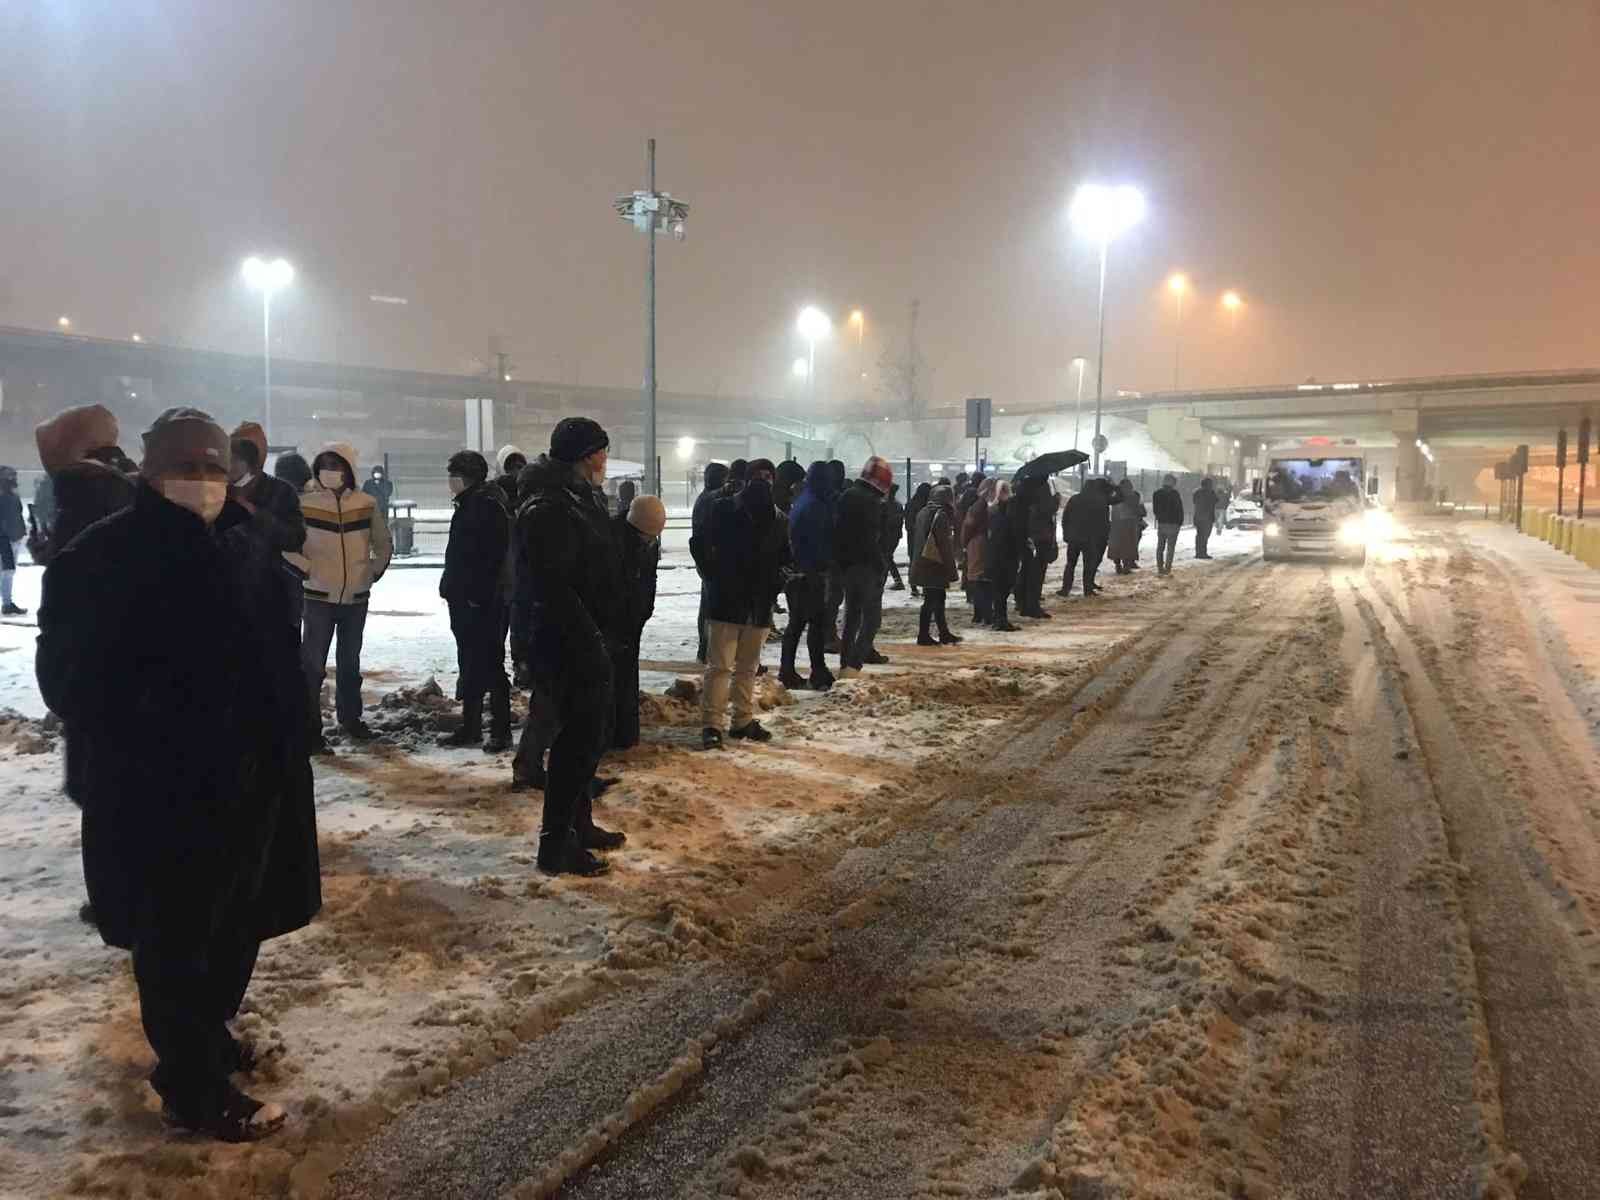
649,211
267,278
1101,213
814,325
1079,364
1178,285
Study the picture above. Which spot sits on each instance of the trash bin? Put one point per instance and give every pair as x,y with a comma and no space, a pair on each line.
403,529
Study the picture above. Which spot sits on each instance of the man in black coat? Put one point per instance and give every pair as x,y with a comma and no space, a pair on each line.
473,586
858,537
894,523
277,525
1038,544
839,478
511,462
638,536
574,577
1167,508
716,475
199,839
1086,528
744,556
1205,515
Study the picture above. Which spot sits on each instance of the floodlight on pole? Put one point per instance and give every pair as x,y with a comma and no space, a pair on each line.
799,369
686,446
267,278
814,324
1232,302
651,212
65,322
1100,213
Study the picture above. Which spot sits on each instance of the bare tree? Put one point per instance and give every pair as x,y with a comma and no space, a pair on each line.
903,375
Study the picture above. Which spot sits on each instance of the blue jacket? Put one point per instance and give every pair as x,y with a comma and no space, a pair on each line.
811,521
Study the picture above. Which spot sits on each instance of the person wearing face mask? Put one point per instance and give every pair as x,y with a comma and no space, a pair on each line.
380,487
474,570
638,536
748,548
573,574
347,550
198,840
276,525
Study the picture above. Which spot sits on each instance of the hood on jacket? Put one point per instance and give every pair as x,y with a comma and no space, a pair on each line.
69,435
924,493
345,451
716,474
819,479
943,496
504,453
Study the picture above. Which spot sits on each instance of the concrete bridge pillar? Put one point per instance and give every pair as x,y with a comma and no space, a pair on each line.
1410,479
1180,435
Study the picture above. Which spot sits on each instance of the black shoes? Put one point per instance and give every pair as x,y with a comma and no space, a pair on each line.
499,741
753,732
12,610
946,638
568,857
876,659
925,640
238,1118
821,681
833,645
595,838
710,739
358,731
320,748
791,679
1005,627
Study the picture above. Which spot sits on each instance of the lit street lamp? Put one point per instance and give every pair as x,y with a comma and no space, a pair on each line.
651,212
1178,285
1100,214
799,368
266,278
1233,302
813,324
65,322
685,448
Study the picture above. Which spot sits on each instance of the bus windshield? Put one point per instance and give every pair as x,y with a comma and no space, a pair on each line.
1301,479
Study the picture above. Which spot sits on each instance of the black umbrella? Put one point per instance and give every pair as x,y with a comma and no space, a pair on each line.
1050,464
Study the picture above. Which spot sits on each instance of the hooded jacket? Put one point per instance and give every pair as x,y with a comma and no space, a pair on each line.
1167,505
347,546
716,474
570,567
1206,501
936,520
914,507
1086,520
811,521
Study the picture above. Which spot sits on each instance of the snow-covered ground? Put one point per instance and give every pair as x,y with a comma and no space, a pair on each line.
439,948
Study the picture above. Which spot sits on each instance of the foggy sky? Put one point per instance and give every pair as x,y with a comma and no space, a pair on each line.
1396,189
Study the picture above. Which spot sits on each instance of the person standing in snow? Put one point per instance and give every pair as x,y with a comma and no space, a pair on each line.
638,537
91,476
914,507
1205,516
1086,529
839,478
811,550
858,525
276,526
574,573
12,530
894,521
1003,556
381,488
975,549
1167,508
199,840
347,550
790,478
744,557
934,567
716,475
626,491
1040,541
1127,522
511,461
474,571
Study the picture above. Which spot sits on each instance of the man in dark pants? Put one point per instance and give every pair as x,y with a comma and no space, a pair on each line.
638,535
1039,521
474,572
811,544
198,834
1205,515
1086,528
564,543
716,475
858,554
1167,508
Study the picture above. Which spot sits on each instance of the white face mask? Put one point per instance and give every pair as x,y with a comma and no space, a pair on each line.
203,497
457,485
332,480
244,481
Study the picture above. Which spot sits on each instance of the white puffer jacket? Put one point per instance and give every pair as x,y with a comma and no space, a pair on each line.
347,546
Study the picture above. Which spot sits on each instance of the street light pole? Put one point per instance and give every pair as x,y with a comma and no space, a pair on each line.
1077,408
652,484
266,362
1100,358
1099,213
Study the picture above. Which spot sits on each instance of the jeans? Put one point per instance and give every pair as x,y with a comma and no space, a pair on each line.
480,649
1166,543
322,622
808,617
1202,535
735,654
932,612
863,612
186,996
538,731
1091,556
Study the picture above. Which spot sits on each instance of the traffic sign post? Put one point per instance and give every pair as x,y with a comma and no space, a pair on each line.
1561,468
1583,460
1519,462
980,413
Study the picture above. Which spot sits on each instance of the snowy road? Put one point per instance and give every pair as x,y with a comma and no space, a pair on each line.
1291,894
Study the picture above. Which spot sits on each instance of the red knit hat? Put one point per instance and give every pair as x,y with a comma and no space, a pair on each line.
878,473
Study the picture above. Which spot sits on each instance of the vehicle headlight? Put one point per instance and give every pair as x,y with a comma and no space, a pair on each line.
1272,529
1353,532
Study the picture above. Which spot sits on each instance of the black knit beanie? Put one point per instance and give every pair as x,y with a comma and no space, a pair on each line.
575,438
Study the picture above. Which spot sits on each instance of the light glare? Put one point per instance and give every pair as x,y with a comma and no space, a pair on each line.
1100,213
814,324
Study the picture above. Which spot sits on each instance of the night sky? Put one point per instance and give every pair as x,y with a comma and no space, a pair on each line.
1396,189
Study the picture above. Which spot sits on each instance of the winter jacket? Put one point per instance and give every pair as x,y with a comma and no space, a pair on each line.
12,527
1167,506
858,527
937,520
275,531
475,555
975,536
1127,523
1004,550
716,474
914,507
811,522
1086,519
640,558
894,520
347,541
381,490
1040,521
1205,506
187,708
44,503
86,491
747,550
568,562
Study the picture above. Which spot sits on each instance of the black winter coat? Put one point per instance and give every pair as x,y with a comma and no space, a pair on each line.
744,561
12,527
86,492
1167,506
858,527
188,711
1086,519
260,539
568,563
1007,531
1205,506
640,557
894,520
475,556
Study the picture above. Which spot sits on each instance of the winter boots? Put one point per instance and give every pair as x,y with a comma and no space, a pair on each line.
565,855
